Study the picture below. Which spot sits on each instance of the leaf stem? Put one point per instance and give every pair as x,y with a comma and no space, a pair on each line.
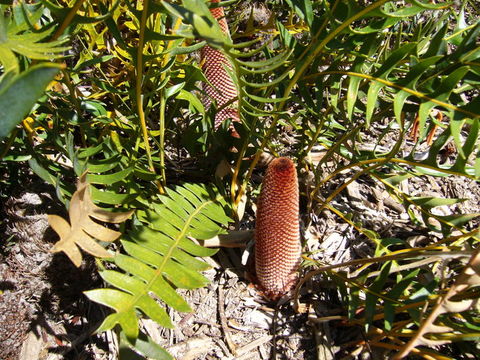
138,90
68,19
8,143
161,138
163,102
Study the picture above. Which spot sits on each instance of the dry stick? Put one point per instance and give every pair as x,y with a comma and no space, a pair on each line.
192,346
222,346
223,321
416,351
254,344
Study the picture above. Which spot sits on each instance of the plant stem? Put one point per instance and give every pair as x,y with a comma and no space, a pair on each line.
8,143
68,19
163,102
138,90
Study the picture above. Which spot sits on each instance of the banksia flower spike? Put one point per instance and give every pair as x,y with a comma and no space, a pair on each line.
277,233
217,68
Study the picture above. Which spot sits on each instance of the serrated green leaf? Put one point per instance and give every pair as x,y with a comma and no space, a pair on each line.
303,8
202,234
134,286
173,90
23,39
173,206
90,151
154,311
382,73
410,82
280,58
43,173
194,249
264,99
442,93
438,45
165,215
352,94
216,213
157,261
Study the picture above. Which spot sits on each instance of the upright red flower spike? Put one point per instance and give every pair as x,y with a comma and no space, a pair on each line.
217,69
277,233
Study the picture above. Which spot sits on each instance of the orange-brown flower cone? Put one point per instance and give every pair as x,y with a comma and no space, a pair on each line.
277,233
217,69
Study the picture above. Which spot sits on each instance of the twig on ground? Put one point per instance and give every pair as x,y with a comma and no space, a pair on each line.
223,321
244,350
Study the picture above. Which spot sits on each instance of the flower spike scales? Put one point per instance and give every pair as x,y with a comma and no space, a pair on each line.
277,233
221,87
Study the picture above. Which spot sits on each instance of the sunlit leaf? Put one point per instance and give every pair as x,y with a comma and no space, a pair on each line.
20,94
82,230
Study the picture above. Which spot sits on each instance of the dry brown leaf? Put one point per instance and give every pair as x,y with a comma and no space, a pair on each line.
82,230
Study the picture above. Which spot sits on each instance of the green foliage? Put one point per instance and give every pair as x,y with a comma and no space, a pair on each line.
160,257
30,84
128,110
20,33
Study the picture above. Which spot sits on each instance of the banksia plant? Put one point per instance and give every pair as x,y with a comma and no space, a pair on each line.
277,233
218,69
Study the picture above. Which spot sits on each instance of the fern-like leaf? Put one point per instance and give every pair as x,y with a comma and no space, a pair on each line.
160,257
17,36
